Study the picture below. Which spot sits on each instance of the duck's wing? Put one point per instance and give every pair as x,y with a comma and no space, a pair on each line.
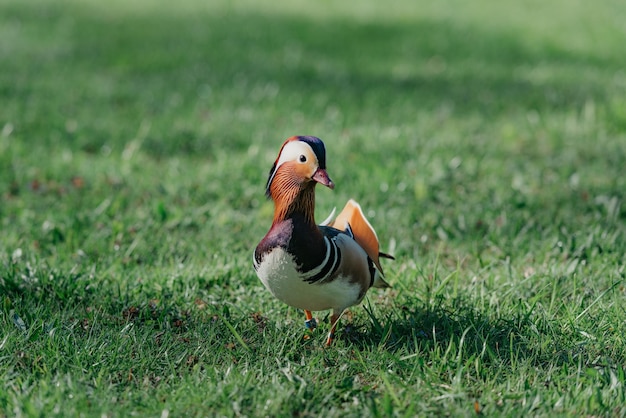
352,220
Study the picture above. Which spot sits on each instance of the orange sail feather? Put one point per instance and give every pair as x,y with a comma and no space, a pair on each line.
352,217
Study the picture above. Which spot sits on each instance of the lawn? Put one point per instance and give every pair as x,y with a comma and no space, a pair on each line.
485,140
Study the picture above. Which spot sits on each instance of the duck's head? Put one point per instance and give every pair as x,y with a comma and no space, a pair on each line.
301,163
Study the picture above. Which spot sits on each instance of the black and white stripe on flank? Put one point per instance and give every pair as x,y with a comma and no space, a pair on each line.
255,262
328,267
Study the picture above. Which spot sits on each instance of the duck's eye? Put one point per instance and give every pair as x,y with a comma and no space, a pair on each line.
303,159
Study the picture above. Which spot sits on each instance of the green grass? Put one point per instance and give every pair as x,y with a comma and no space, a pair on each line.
486,142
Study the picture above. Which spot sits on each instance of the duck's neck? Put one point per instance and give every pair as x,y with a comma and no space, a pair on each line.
295,202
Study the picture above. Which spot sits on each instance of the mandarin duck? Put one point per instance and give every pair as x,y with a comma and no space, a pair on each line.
308,266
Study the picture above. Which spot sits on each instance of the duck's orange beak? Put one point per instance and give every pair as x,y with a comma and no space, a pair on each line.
321,176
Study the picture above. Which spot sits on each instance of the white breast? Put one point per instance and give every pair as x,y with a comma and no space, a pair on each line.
278,273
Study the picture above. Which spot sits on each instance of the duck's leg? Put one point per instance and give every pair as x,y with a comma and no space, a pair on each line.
310,322
334,319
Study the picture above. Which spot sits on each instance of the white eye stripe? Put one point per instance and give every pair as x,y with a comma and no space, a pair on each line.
292,152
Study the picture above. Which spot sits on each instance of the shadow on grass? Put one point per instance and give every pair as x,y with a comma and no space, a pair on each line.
451,329
458,329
